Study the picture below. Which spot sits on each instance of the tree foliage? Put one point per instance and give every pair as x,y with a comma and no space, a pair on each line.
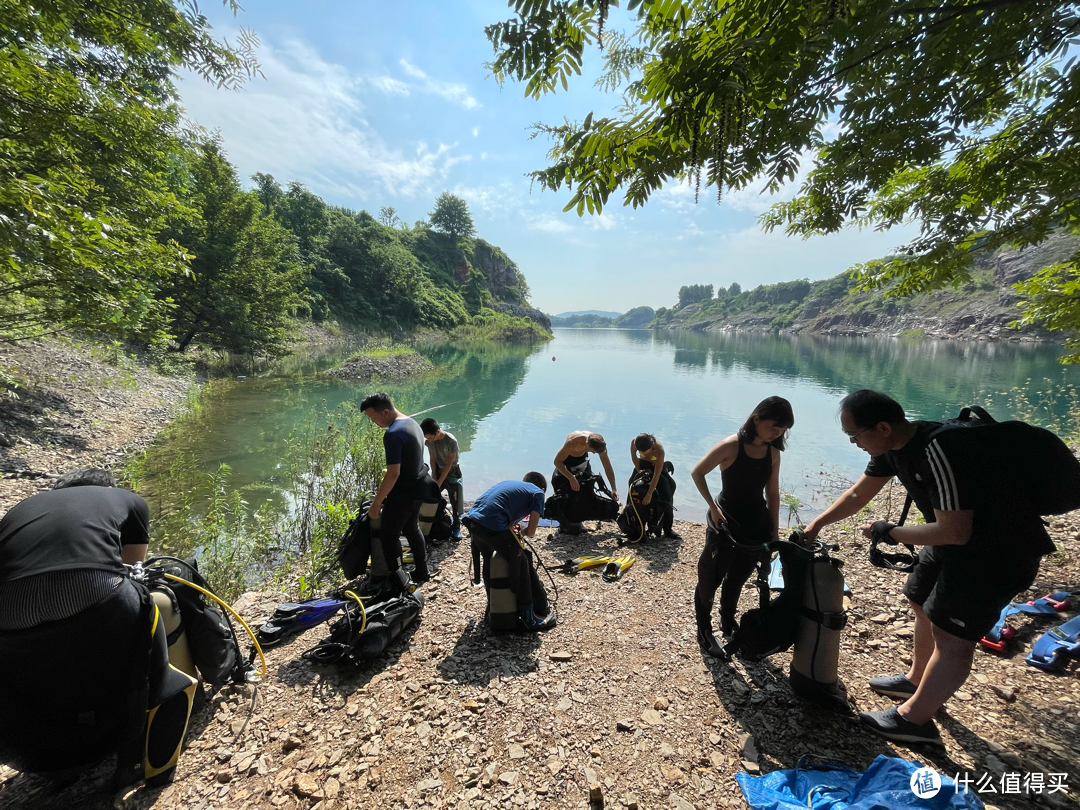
88,141
451,216
694,293
961,115
245,279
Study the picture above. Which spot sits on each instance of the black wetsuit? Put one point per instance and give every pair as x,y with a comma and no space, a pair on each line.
578,465
742,501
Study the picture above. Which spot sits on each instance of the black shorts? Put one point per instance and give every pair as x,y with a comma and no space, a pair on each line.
964,594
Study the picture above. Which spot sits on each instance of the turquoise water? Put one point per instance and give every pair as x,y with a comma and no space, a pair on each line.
511,406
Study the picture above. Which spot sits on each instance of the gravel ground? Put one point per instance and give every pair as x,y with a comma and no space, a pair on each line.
617,695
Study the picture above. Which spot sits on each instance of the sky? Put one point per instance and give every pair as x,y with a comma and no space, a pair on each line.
375,104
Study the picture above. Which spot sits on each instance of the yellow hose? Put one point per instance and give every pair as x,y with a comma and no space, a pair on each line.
363,610
236,616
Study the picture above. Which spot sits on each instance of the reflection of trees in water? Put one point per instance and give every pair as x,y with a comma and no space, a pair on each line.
473,380
918,373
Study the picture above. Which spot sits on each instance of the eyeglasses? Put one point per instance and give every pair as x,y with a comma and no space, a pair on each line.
853,436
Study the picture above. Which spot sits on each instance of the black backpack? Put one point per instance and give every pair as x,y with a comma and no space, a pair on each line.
215,648
1030,469
354,548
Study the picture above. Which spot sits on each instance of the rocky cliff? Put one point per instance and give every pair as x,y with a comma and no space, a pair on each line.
983,308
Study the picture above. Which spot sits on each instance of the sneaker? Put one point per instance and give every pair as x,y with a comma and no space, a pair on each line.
455,536
889,724
671,534
894,686
424,575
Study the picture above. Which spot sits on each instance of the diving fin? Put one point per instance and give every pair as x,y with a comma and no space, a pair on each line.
1054,647
614,570
582,563
293,618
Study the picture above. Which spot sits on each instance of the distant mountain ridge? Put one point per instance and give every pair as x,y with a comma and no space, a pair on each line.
598,312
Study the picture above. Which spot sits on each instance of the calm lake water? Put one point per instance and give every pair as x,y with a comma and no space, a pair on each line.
511,406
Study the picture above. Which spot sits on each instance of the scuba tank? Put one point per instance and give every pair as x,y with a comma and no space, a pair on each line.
179,649
502,606
816,656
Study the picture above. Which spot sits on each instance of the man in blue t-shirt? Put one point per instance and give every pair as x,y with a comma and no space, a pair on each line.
397,502
490,521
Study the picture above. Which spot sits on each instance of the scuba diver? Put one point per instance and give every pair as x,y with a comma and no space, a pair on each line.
572,461
740,521
399,497
443,449
83,655
976,555
645,448
490,522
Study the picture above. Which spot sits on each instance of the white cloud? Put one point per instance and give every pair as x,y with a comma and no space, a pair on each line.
550,224
604,221
457,93
476,132
306,122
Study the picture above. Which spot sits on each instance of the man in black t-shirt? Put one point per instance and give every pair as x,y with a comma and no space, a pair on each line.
975,558
397,502
81,657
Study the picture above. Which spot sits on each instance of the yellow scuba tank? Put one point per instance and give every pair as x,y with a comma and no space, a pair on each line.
427,517
169,610
816,656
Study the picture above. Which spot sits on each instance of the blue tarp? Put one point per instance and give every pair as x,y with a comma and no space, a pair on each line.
885,785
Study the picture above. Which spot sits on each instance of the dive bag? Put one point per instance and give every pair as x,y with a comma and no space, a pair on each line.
592,501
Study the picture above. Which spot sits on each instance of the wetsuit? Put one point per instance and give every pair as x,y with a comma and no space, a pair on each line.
578,465
742,501
663,499
403,442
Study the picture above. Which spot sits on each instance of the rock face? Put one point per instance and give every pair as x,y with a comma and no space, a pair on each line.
966,313
519,311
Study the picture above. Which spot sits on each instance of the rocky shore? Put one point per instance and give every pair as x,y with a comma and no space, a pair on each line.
388,367
77,405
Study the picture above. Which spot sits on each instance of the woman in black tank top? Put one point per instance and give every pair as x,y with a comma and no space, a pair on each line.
743,518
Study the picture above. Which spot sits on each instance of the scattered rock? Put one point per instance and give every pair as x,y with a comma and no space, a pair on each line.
652,717
561,656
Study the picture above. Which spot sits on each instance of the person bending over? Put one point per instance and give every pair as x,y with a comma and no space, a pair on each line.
572,461
975,557
490,520
82,657
645,449
443,449
743,518
397,502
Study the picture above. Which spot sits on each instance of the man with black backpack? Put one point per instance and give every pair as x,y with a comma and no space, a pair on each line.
83,655
978,552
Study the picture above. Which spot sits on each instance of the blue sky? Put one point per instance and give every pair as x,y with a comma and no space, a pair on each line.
372,104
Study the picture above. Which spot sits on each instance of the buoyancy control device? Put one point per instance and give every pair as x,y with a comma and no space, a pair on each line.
809,614
503,611
638,520
367,628
592,501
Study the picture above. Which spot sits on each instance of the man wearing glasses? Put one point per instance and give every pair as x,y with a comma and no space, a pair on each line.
974,560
